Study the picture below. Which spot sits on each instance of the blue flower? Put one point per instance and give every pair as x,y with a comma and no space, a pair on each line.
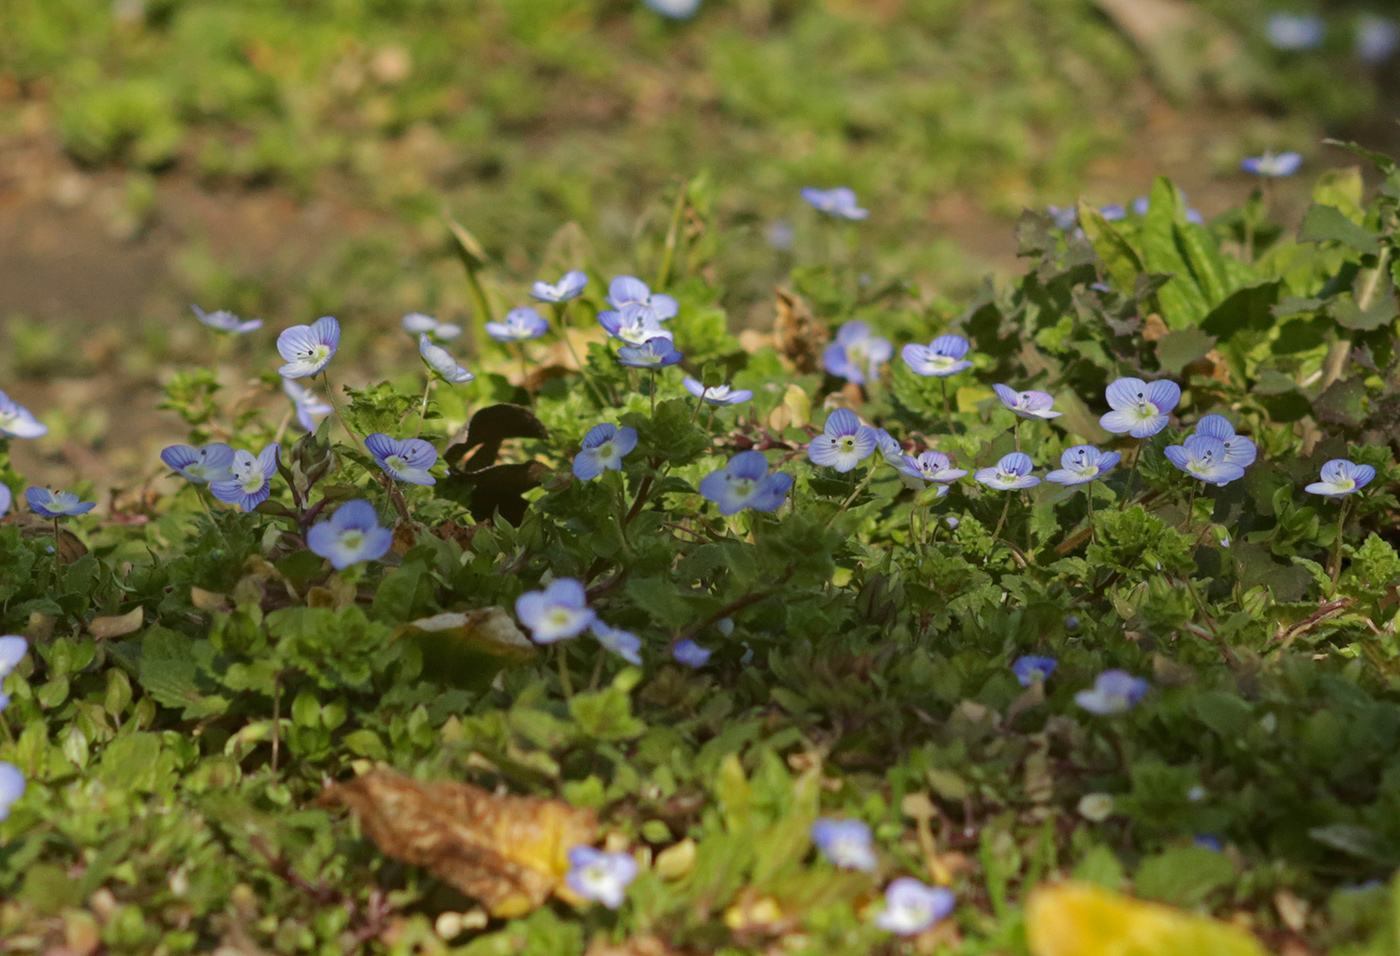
558,612
601,877
1081,464
746,483
890,448
845,442
416,324
839,202
929,466
656,352
520,325
17,421
1027,404
407,459
846,843
7,498
912,907
56,504
624,644
1141,409
1204,458
12,651
1341,477
1141,205
1113,212
1271,166
222,321
441,362
1114,692
201,466
628,290
1033,670
1207,842
1295,31
691,654
633,324
249,481
856,355
308,348
308,408
1012,473
11,788
1065,218
1238,449
780,235
603,448
1376,39
350,536
716,394
941,357
569,287
675,9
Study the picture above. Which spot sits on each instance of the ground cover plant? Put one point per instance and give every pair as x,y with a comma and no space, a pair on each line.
628,635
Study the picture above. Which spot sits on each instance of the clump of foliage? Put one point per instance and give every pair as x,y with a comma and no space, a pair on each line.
751,656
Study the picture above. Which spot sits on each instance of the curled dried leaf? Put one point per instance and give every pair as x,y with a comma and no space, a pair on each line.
117,625
508,852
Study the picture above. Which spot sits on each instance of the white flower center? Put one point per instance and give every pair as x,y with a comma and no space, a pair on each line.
317,354
352,540
560,617
396,463
252,482
742,487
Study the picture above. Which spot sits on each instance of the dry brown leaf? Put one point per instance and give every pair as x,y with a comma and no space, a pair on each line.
117,625
507,852
632,946
799,336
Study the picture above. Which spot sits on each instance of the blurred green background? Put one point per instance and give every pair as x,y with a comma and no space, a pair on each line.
290,158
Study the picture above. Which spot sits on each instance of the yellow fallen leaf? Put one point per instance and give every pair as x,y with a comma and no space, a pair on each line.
117,625
1081,919
508,852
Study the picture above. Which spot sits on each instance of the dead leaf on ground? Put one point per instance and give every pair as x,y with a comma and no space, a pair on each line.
508,852
116,625
632,946
70,548
800,337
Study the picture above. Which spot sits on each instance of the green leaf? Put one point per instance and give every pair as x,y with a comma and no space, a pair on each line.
606,715
1118,255
1176,350
1330,224
1183,876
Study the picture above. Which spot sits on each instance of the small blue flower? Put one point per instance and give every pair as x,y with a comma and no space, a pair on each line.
558,612
633,324
1141,205
1141,409
1238,449
716,394
520,325
1271,166
200,466
308,407
1033,670
656,352
675,9
1071,622
308,349
17,421
1040,405
1114,692
7,498
940,358
1341,477
629,290
350,536
624,644
1295,31
441,362
1065,218
839,202
691,654
569,287
856,355
222,321
846,843
1376,39
746,483
601,877
928,466
1207,842
11,788
56,504
1204,458
1011,473
912,907
406,459
12,651
780,235
890,448
604,447
845,442
1113,212
416,324
249,481
1081,464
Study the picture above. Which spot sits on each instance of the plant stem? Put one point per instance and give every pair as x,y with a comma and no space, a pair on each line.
854,495
1337,548
525,371
1006,506
1092,530
663,276
57,568
947,412
335,406
1132,477
1191,508
653,393
564,677
276,719
423,409
561,312
199,493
